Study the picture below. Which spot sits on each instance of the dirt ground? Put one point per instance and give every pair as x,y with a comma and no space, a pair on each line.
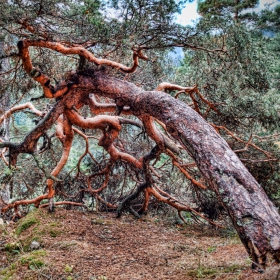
76,245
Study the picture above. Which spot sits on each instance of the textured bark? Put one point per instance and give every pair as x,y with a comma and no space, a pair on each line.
254,216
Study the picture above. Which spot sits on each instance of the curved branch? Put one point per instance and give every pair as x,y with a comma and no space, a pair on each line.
67,143
3,156
98,122
20,107
54,92
87,151
51,177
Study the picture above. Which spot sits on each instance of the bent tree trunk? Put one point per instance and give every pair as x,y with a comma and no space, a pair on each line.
254,216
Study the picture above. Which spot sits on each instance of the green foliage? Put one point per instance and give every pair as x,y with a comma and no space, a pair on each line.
211,249
226,7
269,19
242,80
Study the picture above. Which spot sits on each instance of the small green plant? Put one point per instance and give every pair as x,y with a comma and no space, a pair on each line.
188,217
68,268
36,264
32,263
33,260
13,266
203,272
7,274
211,249
13,247
39,253
53,233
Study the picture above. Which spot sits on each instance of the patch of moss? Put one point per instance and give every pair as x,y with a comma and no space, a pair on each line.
203,272
39,253
13,266
7,274
232,268
54,233
26,223
48,229
33,260
211,249
39,231
3,230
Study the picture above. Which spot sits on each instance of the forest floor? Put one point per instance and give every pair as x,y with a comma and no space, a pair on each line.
77,245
